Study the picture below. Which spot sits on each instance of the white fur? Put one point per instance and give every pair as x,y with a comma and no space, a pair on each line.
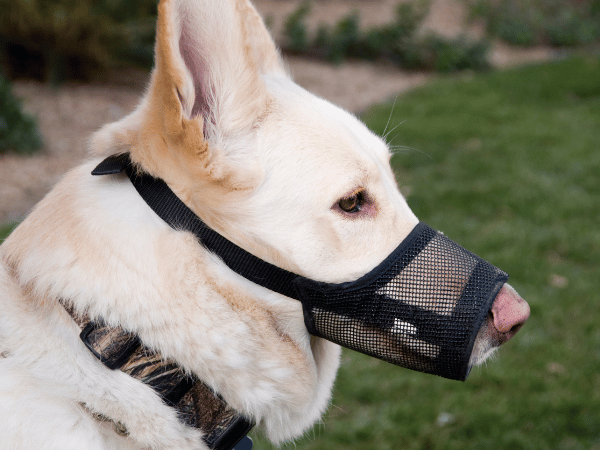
274,180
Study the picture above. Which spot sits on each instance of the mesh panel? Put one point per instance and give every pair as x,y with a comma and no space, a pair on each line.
420,309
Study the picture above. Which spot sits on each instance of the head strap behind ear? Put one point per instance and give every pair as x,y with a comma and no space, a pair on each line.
174,212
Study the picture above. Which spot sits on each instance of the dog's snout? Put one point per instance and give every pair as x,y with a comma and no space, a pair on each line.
509,313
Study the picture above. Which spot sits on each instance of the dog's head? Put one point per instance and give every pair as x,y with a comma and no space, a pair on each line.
294,179
282,173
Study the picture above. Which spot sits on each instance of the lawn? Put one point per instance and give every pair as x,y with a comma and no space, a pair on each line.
5,230
508,165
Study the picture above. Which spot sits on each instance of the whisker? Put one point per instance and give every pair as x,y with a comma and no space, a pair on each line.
387,134
390,117
396,148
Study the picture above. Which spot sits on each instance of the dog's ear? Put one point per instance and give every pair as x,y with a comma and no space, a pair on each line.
207,85
209,59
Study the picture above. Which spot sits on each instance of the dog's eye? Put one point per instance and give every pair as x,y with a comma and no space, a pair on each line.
352,204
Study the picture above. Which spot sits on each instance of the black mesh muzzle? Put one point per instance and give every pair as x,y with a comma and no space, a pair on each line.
421,308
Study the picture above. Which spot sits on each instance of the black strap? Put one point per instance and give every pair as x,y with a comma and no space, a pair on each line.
174,212
224,428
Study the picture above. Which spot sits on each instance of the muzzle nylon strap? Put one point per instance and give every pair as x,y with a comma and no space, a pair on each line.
421,308
174,212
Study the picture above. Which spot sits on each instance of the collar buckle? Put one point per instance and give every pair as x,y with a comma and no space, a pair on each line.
112,346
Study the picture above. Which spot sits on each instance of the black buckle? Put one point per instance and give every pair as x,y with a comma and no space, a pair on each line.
119,347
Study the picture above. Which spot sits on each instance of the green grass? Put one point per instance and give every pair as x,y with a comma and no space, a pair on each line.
508,165
5,230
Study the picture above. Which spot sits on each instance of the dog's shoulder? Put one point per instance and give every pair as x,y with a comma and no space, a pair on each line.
91,240
95,243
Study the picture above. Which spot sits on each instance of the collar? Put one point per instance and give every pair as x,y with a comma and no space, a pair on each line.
197,405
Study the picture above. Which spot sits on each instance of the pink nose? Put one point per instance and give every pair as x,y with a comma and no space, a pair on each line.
510,312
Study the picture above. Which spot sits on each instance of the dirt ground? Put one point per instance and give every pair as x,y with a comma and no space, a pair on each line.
68,115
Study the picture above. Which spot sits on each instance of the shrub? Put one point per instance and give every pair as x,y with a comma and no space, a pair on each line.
458,54
513,26
346,39
18,131
57,39
295,29
533,22
397,41
569,29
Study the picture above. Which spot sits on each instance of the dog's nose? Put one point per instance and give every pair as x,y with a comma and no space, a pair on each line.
510,312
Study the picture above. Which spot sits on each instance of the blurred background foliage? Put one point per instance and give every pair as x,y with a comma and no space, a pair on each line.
59,39
18,130
54,40
400,41
534,22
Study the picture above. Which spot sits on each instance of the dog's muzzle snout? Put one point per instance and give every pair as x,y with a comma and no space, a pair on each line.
421,308
509,313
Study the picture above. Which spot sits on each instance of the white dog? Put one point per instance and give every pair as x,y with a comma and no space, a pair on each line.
283,174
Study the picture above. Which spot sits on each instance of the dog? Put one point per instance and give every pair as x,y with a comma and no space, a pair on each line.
279,172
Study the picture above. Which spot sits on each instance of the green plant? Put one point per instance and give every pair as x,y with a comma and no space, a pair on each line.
513,25
295,31
58,39
18,130
449,55
569,29
431,52
345,39
408,18
532,22
398,41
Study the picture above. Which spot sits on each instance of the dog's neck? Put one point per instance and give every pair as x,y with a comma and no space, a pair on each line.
169,207
121,350
196,404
